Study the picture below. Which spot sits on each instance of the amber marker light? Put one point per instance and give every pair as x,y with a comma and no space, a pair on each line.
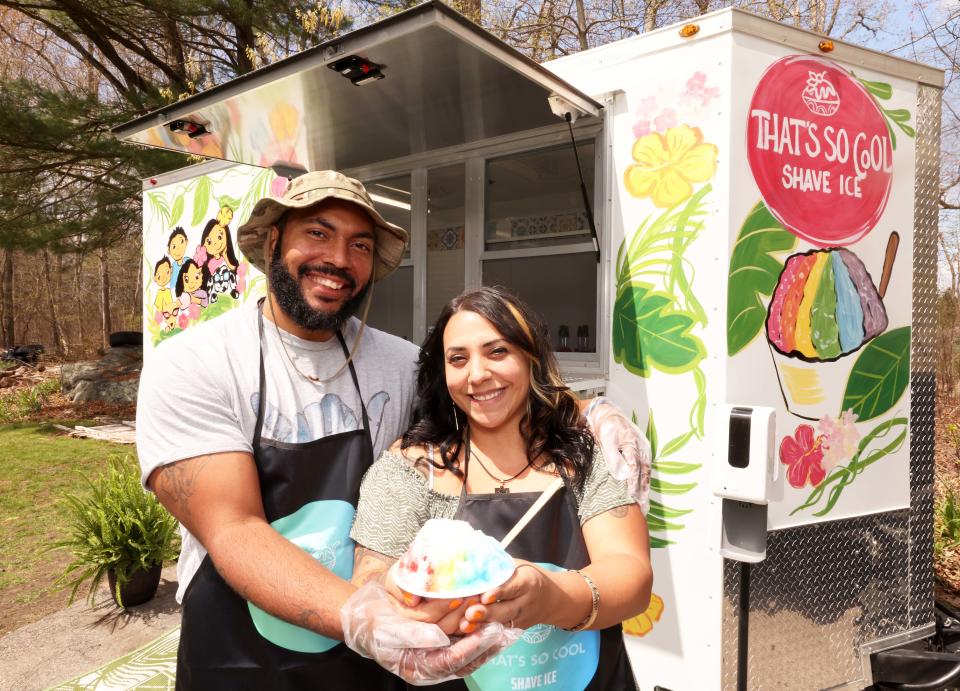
688,30
825,46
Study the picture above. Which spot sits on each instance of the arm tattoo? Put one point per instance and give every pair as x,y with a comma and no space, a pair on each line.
370,566
309,619
178,483
619,511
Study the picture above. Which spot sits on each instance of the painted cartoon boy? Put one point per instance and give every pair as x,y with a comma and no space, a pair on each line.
176,249
164,304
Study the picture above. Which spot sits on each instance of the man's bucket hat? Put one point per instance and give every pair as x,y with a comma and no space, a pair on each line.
310,189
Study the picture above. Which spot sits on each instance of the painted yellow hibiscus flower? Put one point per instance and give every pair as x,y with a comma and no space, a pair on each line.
642,624
667,165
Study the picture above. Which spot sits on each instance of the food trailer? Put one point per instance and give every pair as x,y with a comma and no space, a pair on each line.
730,229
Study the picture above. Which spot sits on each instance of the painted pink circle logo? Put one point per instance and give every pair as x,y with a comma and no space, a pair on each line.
819,150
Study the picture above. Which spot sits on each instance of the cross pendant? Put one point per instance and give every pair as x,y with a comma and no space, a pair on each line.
501,490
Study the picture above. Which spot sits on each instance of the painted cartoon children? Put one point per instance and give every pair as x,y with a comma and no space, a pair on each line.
222,272
190,293
165,309
176,248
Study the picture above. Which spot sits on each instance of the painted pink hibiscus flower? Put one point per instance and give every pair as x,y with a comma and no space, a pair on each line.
803,456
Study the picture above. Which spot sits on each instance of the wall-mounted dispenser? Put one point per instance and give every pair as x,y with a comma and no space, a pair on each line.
744,475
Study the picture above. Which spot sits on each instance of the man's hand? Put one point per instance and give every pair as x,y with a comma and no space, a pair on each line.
418,652
217,498
625,448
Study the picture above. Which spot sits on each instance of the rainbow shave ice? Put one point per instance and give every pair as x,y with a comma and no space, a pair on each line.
449,558
825,306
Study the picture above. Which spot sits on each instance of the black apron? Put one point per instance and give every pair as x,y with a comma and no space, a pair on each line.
309,493
546,656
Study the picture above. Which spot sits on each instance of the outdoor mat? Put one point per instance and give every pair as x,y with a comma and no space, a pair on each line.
154,666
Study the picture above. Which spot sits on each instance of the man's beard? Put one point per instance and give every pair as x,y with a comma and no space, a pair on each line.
289,296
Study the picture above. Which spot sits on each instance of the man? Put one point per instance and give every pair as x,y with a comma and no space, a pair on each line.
255,429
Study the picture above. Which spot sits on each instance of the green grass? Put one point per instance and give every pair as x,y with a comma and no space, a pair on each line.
40,464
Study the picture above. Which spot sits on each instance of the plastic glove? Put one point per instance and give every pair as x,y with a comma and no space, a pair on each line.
625,448
417,652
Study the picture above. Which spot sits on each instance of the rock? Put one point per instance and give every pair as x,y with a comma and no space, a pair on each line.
112,379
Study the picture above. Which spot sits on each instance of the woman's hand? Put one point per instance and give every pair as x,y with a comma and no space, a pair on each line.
445,613
524,600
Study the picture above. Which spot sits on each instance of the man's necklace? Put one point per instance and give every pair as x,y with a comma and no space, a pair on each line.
502,489
283,345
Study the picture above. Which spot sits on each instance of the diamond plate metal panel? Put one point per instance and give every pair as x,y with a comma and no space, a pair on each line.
822,591
828,588
923,354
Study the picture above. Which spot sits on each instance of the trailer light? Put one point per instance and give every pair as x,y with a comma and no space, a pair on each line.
191,129
688,30
358,70
825,46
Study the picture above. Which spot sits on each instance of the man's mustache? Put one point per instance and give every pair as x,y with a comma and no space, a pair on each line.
329,271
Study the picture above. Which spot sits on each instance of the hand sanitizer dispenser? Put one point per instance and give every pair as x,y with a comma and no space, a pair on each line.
744,472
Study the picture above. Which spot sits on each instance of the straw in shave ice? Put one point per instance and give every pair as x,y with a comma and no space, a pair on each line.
449,559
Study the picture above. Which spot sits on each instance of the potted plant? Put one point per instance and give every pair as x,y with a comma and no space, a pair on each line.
118,530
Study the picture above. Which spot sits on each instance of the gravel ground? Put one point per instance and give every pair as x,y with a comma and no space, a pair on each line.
81,638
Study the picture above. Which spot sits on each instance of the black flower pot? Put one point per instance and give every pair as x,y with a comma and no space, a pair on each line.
141,586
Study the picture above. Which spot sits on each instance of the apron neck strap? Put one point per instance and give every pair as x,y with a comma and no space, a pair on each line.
261,401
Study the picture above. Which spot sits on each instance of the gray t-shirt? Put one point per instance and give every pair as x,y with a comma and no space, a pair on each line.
199,395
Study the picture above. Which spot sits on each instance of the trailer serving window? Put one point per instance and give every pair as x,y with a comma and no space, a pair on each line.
537,240
508,214
391,309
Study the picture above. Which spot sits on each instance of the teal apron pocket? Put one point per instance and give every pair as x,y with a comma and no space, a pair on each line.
322,530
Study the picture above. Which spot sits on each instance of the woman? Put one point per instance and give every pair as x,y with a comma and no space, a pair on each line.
494,427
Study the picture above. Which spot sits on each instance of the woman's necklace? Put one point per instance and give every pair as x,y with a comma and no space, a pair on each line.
502,489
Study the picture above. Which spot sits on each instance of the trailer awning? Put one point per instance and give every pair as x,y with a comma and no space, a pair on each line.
445,82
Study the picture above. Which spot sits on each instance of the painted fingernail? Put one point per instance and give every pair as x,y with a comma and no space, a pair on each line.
488,598
476,615
455,603
468,628
473,601
407,598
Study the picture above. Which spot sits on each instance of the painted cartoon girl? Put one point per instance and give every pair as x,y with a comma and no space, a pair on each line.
222,273
190,293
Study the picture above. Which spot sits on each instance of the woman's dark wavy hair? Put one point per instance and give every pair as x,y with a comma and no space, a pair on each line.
552,426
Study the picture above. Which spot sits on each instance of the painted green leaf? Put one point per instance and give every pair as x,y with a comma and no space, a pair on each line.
898,114
676,443
658,524
158,204
754,271
675,467
177,211
648,333
651,434
879,376
227,200
663,487
201,199
659,542
658,509
878,89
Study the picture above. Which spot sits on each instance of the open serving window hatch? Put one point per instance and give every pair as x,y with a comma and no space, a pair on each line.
424,79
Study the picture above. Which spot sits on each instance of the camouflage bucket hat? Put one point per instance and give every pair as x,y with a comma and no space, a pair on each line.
310,189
